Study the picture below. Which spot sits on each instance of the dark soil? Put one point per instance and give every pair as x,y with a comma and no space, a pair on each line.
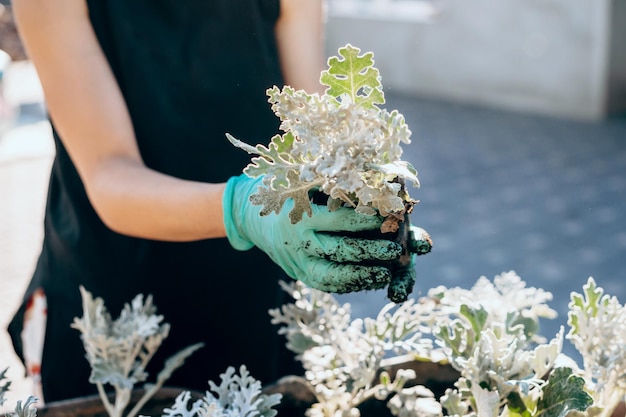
398,229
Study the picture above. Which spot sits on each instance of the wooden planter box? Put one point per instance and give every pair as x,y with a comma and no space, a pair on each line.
297,395
91,406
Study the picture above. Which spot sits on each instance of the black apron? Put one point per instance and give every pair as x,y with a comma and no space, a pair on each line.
190,71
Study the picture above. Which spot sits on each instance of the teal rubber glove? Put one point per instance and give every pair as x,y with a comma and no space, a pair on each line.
312,250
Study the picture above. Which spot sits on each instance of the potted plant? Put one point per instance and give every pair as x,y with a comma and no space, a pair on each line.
341,149
459,352
118,351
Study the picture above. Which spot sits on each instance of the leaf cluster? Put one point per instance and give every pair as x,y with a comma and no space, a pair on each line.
5,384
25,409
119,350
489,334
238,395
342,356
340,144
22,409
598,331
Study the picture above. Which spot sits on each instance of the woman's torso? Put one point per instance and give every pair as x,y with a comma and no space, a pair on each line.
190,71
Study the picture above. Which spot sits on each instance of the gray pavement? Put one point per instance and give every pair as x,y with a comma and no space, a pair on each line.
500,191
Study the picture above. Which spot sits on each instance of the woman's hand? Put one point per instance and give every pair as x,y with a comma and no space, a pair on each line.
316,250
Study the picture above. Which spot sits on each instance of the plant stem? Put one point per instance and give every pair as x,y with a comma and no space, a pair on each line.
122,398
612,403
144,398
347,199
130,359
105,400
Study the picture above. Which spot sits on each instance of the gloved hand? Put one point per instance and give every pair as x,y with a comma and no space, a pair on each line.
312,250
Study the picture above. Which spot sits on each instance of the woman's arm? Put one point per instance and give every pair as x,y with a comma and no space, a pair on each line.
90,114
300,39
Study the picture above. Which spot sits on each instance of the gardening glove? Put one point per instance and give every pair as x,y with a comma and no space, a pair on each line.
316,249
403,270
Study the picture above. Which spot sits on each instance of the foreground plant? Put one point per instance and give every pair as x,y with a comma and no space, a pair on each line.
342,357
119,350
236,396
24,409
598,330
489,334
5,384
339,149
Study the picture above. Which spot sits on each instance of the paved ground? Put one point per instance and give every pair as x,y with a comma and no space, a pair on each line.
500,191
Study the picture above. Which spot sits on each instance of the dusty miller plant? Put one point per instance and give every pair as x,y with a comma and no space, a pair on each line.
5,384
342,357
340,143
488,333
598,330
343,150
236,396
119,350
24,409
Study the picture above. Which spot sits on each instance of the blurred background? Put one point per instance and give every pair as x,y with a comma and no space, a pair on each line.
518,114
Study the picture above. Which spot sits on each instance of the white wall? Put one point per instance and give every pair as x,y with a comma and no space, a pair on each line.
543,56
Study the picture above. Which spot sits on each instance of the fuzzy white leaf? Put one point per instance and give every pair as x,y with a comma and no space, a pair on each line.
487,402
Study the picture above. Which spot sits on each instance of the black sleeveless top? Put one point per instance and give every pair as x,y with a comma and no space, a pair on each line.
190,71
